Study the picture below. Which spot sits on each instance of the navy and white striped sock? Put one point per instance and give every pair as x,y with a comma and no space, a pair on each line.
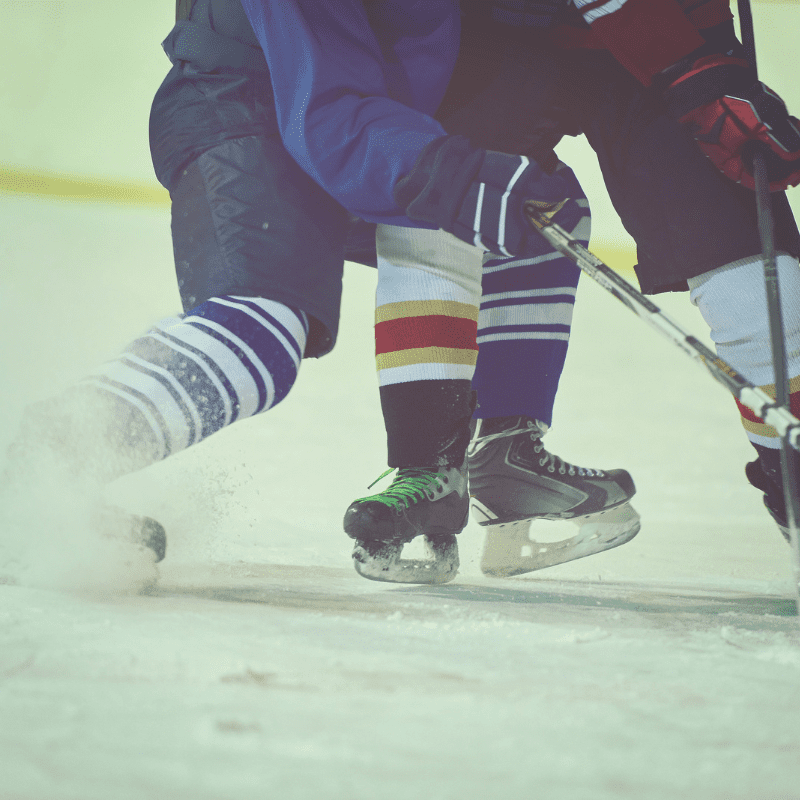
523,328
188,377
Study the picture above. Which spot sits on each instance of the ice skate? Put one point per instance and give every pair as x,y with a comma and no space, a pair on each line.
765,474
144,532
59,460
514,481
430,503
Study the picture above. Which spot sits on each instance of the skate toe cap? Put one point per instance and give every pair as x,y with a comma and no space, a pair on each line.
624,480
370,521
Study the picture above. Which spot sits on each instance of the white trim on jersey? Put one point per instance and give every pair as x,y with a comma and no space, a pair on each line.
601,11
476,223
501,229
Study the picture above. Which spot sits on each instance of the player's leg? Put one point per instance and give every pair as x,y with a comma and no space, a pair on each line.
505,95
425,336
258,251
740,331
523,333
695,229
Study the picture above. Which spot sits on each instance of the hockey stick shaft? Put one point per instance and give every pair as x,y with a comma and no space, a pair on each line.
758,401
766,229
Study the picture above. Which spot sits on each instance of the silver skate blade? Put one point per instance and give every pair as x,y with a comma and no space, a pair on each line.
387,565
510,549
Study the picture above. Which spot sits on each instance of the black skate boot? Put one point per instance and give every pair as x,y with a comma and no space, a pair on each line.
144,532
419,502
765,474
514,481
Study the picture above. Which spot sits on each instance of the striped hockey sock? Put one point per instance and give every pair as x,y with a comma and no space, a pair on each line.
227,359
523,329
732,300
425,341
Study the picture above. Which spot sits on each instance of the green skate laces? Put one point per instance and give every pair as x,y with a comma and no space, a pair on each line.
409,486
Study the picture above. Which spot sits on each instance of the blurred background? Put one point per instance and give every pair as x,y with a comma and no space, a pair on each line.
79,78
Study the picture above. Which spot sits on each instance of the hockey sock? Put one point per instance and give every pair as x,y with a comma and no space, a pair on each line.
227,359
732,300
425,343
523,330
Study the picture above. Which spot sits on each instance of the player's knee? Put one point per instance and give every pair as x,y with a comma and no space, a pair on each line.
418,263
226,359
732,300
255,344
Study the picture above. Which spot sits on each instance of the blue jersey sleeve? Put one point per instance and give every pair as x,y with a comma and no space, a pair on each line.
355,87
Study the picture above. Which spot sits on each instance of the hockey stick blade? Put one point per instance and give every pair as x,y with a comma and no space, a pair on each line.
384,562
758,401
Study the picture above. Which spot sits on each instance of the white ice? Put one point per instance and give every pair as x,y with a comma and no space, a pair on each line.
263,666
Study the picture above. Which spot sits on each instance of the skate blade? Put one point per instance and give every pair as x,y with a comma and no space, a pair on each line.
386,564
510,549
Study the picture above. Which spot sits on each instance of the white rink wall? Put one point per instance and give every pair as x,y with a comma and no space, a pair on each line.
86,71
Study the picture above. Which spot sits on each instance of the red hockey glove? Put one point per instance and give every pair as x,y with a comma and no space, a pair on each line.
731,115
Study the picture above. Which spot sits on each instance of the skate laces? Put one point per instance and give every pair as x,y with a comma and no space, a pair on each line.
536,430
410,485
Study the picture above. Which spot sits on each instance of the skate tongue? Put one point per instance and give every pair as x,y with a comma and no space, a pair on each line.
384,562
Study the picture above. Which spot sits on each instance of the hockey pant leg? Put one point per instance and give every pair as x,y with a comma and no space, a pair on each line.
227,359
425,343
732,300
523,330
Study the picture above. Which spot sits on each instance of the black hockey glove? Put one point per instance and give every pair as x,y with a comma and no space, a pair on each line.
479,195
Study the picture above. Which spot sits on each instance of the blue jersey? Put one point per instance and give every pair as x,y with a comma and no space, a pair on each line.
356,85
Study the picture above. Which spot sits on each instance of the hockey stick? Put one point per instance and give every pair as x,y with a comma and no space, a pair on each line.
766,229
758,401
745,392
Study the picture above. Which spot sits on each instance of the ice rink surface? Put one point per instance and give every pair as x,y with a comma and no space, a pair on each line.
262,666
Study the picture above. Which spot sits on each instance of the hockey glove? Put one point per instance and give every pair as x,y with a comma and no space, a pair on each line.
731,115
479,195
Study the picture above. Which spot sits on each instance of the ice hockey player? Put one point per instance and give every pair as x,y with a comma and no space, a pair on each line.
661,91
258,297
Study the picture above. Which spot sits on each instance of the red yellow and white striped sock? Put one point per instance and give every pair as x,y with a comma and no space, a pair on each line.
732,300
426,322
426,309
